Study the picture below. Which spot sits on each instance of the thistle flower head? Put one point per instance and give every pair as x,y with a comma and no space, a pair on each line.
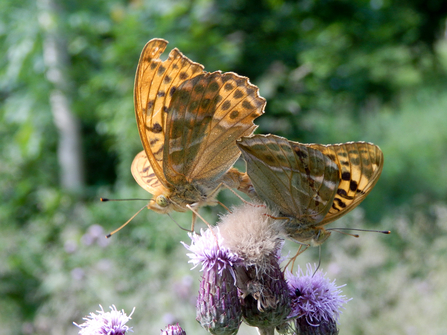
266,299
315,297
250,231
105,323
173,330
207,249
218,306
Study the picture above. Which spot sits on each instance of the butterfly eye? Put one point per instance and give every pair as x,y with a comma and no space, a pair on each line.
162,201
321,236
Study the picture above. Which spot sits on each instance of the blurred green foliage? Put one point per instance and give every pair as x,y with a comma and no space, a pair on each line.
331,71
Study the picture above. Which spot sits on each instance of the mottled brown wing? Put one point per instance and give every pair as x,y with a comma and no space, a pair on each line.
208,113
144,174
298,180
360,166
155,83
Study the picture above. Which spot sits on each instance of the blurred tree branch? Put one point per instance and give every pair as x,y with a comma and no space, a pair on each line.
55,55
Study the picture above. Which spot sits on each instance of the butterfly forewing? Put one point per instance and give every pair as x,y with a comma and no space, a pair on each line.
155,84
206,116
360,165
189,121
298,180
318,182
270,179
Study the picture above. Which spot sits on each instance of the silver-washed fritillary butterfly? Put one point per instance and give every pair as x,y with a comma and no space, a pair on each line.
311,184
189,121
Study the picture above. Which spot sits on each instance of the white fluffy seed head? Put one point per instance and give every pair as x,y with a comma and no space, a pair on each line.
252,233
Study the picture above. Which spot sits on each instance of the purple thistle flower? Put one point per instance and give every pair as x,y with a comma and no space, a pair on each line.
315,299
105,323
173,330
207,249
218,306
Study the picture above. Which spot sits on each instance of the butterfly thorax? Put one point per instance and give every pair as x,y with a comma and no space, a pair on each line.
195,193
177,199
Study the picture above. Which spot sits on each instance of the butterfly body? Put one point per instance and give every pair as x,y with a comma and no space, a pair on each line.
311,184
189,121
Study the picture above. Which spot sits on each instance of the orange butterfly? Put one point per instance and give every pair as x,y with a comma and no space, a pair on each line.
311,184
189,121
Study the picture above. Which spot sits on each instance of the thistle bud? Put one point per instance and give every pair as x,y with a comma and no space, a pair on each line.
252,232
173,330
266,301
218,307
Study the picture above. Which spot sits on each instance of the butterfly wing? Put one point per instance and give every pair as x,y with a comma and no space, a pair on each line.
360,165
208,113
144,174
155,84
295,178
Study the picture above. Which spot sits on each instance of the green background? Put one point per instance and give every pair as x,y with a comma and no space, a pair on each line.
331,71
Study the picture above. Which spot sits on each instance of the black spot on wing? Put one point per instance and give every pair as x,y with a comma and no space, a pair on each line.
353,185
346,176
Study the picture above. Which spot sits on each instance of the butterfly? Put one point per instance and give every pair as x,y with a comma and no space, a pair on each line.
189,121
311,184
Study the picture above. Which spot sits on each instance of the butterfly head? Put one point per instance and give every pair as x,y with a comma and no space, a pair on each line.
313,236
163,204
162,201
321,235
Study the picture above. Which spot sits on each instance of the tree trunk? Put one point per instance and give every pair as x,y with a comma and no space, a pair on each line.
55,54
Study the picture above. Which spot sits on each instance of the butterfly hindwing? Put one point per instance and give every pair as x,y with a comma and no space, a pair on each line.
207,114
144,174
318,179
270,180
298,180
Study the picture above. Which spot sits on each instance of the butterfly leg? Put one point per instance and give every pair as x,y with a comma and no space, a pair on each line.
220,203
319,260
293,259
275,217
189,231
240,180
242,199
193,221
196,214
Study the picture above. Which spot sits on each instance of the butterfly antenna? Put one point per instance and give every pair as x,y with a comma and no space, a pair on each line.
116,230
344,233
340,230
107,199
